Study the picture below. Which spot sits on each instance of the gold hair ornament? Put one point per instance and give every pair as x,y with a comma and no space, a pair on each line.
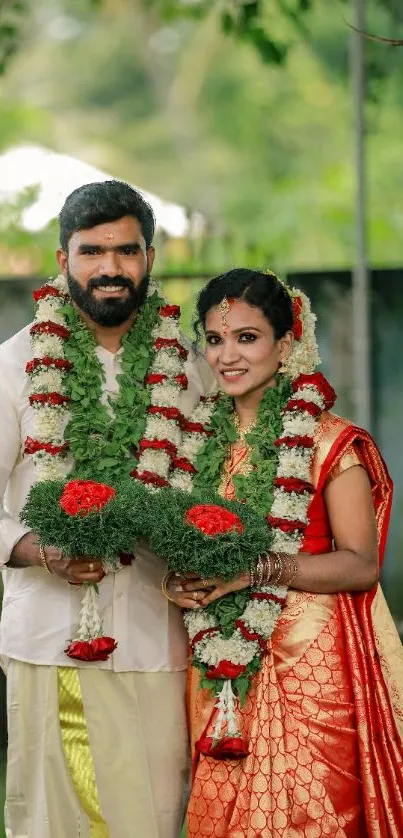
224,308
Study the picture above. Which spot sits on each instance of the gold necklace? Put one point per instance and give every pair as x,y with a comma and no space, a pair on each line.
242,432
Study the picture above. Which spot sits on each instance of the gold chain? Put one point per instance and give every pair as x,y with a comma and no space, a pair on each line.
242,432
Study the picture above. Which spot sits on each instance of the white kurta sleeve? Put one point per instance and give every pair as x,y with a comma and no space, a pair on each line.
11,530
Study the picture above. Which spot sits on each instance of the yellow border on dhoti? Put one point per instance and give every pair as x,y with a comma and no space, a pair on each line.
77,748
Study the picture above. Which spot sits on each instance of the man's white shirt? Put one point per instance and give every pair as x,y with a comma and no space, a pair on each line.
41,611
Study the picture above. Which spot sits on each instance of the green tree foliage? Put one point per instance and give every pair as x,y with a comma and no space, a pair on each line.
12,13
271,26
175,106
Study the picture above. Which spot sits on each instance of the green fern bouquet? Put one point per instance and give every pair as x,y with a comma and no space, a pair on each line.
85,518
205,534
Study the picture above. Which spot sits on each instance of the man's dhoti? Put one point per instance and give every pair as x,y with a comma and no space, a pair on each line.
94,753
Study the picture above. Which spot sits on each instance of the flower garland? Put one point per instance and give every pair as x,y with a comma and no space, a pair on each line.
75,432
66,393
282,444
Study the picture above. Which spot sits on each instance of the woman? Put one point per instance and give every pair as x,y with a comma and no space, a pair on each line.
323,717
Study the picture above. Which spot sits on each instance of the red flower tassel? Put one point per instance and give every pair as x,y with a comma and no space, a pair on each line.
98,649
231,747
225,669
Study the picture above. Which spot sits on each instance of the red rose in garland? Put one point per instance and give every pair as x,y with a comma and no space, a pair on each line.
322,385
297,311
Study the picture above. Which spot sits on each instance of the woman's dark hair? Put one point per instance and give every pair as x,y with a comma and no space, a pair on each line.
258,289
98,203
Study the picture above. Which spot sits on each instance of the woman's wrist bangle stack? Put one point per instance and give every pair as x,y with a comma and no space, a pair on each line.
42,556
164,585
273,569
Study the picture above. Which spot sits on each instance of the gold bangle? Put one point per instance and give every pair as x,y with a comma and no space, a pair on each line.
42,556
278,569
167,578
292,571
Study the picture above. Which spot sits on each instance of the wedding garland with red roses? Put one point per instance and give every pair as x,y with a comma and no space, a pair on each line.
77,436
230,636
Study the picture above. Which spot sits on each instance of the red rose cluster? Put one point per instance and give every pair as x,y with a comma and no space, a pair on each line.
297,312
80,497
213,520
97,649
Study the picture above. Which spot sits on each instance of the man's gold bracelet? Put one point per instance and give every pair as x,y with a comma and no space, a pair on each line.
44,561
167,578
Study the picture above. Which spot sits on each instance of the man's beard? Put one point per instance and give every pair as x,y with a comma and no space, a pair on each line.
112,311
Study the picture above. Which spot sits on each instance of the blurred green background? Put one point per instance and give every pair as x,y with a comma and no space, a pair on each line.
242,114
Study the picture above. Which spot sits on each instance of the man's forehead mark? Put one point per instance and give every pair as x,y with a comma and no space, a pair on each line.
109,236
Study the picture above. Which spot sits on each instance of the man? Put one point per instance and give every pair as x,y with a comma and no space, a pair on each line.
95,749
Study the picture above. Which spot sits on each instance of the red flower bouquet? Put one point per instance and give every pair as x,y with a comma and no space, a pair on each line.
80,497
87,519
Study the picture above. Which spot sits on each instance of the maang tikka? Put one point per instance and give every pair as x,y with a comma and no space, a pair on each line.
224,307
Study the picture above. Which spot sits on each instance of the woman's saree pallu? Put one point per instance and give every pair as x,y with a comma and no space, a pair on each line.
325,714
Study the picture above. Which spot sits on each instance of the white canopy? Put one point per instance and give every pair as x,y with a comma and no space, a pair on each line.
57,175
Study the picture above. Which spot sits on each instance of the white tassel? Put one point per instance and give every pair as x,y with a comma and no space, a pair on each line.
90,621
226,704
232,727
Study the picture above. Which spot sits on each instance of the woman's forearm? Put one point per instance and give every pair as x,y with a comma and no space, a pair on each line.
335,572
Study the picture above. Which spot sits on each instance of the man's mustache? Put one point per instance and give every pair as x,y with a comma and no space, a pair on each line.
105,281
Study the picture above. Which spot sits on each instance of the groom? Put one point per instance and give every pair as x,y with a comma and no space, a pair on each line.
95,749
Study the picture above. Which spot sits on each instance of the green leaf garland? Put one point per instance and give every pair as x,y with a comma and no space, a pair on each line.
256,487
104,438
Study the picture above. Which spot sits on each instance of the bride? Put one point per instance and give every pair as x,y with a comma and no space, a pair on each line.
321,729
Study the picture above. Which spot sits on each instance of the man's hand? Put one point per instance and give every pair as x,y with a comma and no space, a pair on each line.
76,571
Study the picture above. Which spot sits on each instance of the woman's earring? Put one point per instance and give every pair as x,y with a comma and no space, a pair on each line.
283,367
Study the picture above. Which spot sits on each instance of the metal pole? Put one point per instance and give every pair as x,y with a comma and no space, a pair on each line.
360,295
